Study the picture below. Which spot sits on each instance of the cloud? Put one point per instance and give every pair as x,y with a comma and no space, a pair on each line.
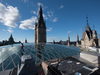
9,15
50,13
39,4
69,31
34,12
61,6
75,34
45,17
10,30
32,4
55,19
82,29
3,30
48,16
51,16
28,23
52,38
43,7
49,29
25,1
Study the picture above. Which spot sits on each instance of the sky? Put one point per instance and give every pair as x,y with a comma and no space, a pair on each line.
63,18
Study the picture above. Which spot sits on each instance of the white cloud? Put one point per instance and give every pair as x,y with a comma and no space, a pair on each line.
45,17
61,6
52,38
51,16
50,13
49,29
3,30
10,30
82,29
55,19
34,12
32,4
25,1
39,4
28,23
43,7
69,31
9,15
75,34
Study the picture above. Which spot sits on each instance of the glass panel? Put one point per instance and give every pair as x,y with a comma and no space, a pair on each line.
5,53
33,56
1,67
10,66
16,60
6,62
45,55
49,51
12,52
33,52
0,57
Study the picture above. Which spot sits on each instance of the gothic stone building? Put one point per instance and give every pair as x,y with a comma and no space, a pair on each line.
11,40
89,38
40,28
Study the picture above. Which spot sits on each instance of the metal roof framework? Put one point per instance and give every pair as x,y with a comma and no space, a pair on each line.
10,56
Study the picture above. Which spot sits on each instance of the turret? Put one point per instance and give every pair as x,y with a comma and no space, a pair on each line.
77,38
68,41
94,34
53,41
77,42
11,39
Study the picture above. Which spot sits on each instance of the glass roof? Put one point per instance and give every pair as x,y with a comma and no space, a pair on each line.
10,55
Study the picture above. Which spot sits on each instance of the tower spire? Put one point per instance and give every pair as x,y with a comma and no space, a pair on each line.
77,38
93,27
87,19
40,18
68,38
68,41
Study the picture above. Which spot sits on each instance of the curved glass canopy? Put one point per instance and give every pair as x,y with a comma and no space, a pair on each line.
10,55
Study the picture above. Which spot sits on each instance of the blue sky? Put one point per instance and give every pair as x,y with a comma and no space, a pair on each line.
63,18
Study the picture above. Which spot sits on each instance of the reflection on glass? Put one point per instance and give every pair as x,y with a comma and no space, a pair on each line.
39,48
39,52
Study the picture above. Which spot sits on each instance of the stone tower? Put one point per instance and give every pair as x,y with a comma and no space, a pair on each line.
77,42
68,41
94,33
11,39
53,41
40,28
25,40
77,38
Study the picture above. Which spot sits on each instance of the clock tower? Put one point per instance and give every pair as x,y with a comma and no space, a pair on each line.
40,28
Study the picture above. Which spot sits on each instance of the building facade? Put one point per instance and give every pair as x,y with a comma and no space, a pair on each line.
11,39
89,37
40,28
